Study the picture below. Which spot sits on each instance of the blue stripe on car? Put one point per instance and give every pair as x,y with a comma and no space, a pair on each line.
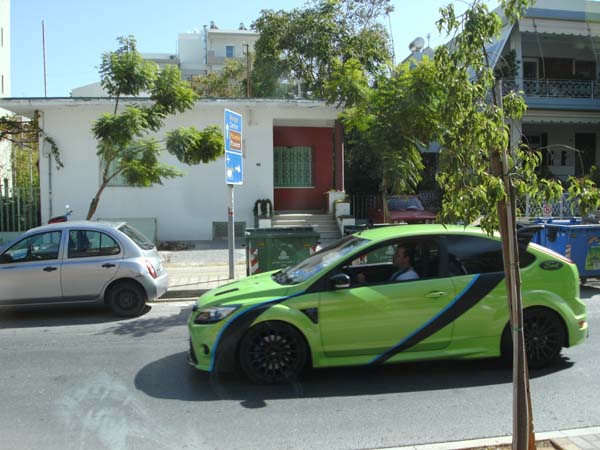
476,290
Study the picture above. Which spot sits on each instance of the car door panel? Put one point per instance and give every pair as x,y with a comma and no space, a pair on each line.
87,269
372,320
31,274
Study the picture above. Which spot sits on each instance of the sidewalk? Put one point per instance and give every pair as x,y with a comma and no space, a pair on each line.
575,439
193,272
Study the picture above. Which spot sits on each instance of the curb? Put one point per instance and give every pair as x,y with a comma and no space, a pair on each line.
178,295
560,439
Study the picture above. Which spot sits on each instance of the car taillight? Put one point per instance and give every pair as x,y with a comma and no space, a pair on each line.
151,270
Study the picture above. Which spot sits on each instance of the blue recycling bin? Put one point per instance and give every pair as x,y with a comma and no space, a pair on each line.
577,241
541,236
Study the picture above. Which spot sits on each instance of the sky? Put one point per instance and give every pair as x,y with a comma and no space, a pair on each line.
77,32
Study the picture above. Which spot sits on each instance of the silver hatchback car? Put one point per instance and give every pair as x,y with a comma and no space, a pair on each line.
82,262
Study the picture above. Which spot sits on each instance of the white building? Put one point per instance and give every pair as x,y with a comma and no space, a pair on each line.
198,53
292,155
5,165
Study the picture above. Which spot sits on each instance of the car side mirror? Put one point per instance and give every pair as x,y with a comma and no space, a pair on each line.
340,281
5,258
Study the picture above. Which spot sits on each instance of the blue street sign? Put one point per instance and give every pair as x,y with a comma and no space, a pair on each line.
234,168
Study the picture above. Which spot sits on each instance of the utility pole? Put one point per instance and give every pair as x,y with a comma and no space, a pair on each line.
248,91
44,57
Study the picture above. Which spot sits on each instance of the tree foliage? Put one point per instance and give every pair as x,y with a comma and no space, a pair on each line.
229,83
124,147
306,44
454,100
24,135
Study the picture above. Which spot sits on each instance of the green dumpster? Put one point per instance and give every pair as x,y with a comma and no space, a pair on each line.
275,248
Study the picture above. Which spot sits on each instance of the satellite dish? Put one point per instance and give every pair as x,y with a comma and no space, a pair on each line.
416,45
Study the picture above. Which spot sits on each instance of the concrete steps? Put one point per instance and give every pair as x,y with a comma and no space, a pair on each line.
324,224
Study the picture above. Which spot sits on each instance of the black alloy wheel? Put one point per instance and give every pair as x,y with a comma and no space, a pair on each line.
126,299
544,338
273,352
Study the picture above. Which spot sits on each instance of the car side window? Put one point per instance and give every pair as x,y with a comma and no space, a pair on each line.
87,243
419,259
39,247
472,254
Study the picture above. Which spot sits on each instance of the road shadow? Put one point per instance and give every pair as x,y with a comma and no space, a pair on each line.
589,290
172,378
143,326
57,316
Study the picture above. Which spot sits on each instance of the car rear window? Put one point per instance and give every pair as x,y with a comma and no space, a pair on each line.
473,254
142,241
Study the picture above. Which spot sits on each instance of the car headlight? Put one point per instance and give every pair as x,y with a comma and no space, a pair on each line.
214,314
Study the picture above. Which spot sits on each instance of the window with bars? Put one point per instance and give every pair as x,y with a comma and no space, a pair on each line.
293,166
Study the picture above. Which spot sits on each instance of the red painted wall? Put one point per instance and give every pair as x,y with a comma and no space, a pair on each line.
322,142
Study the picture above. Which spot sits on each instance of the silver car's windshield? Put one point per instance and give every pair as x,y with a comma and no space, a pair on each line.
141,241
320,260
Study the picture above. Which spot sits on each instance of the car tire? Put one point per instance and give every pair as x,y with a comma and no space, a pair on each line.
126,299
273,352
544,338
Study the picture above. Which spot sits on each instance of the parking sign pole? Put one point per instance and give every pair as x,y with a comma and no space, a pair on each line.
231,231
234,173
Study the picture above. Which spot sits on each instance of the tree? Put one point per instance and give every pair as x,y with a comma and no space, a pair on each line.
229,83
124,147
302,45
455,100
24,135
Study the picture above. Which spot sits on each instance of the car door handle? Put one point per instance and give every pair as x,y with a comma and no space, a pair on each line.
50,269
107,265
436,294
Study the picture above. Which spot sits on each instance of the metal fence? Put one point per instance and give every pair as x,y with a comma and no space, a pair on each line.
526,207
562,208
19,208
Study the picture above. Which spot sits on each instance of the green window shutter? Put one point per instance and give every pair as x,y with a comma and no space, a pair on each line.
292,166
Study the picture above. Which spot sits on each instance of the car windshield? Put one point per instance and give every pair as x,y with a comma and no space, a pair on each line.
320,260
142,241
404,203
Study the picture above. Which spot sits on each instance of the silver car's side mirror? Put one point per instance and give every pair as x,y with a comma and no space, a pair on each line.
340,281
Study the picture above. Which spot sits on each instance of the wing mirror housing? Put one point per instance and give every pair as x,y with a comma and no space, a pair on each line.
340,281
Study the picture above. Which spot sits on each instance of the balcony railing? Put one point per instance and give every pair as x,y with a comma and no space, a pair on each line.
557,88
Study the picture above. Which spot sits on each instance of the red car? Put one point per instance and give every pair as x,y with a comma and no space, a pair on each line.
403,208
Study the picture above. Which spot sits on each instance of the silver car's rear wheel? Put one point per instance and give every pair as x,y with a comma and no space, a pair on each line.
126,299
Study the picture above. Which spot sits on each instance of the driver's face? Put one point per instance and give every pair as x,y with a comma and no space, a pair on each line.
400,258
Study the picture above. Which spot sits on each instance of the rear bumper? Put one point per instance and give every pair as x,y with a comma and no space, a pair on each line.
155,287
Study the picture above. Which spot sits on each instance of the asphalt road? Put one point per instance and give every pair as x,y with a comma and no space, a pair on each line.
84,380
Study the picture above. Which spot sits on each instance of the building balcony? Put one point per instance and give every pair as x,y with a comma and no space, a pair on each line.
574,89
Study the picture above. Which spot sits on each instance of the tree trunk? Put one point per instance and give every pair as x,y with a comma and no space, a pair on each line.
95,201
523,434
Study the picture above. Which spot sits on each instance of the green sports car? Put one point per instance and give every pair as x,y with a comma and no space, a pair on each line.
386,295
